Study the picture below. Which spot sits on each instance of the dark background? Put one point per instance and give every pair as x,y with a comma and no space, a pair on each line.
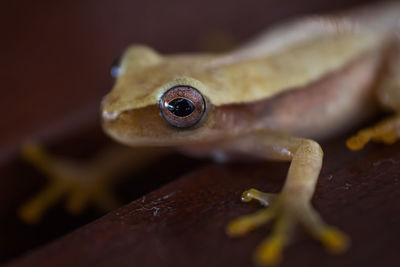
56,55
55,59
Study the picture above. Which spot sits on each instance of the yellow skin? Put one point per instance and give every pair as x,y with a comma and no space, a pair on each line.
271,99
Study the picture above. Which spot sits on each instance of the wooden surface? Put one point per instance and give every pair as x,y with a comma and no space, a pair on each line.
55,60
182,224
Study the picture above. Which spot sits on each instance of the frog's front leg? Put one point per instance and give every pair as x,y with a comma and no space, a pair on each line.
292,206
81,183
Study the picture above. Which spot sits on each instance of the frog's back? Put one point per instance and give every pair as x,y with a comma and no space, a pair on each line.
286,58
295,54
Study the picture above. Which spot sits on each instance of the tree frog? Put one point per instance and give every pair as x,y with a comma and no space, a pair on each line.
271,99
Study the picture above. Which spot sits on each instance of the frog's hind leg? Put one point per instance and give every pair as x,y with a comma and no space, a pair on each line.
388,130
81,184
292,206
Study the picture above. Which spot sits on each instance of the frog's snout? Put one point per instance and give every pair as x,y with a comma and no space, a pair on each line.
106,110
107,115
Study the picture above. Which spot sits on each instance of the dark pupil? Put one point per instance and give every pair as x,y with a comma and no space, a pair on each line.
181,107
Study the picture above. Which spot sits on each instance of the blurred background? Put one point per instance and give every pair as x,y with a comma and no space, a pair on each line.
55,60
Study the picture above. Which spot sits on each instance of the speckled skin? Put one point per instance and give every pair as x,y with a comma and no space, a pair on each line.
347,50
318,110
269,99
308,79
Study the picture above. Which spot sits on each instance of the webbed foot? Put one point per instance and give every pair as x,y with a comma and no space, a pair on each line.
386,131
80,184
287,214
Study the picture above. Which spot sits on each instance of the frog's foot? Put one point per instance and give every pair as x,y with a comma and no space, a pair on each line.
79,184
287,213
387,131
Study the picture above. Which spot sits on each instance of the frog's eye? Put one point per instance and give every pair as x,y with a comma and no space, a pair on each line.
182,106
115,67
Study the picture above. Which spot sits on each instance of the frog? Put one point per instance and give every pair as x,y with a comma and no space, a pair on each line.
273,98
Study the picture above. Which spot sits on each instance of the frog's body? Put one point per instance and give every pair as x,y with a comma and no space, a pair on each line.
258,72
308,79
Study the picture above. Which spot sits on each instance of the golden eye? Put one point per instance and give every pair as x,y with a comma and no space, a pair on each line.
182,106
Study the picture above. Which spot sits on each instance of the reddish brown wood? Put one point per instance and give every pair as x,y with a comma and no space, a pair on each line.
55,59
182,224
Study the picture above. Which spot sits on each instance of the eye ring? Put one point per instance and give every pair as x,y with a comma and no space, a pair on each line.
182,106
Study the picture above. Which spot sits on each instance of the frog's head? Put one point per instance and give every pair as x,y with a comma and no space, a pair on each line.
162,101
